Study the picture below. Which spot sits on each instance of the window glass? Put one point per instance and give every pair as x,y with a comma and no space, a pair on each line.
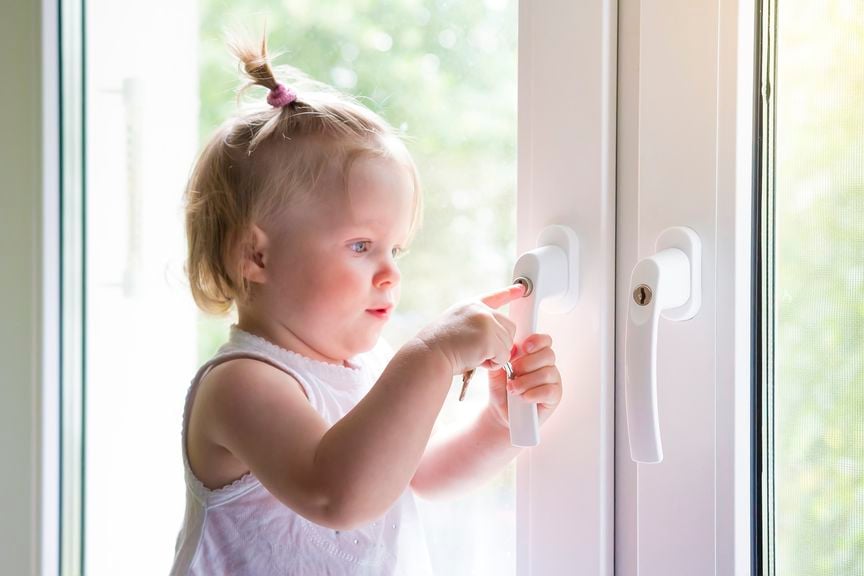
815,289
156,86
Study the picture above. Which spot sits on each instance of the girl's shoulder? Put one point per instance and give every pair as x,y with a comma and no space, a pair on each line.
227,429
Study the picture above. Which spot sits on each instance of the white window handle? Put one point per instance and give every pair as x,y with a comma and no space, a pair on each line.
552,272
667,283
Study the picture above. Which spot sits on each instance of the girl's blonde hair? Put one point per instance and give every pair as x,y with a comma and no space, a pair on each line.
266,160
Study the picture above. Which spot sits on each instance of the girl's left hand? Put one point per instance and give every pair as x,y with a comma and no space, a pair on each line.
536,380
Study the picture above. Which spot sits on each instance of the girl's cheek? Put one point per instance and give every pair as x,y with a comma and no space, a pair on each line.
344,276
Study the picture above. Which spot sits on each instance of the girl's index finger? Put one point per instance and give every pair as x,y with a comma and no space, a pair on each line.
503,296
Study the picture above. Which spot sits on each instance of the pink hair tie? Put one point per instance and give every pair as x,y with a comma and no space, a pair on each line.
280,96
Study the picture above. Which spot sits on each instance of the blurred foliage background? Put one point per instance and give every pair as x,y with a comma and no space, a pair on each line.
444,72
819,292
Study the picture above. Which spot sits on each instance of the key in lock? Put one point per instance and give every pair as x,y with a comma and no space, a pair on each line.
466,377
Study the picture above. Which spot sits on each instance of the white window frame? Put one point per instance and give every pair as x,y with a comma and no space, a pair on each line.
686,132
566,175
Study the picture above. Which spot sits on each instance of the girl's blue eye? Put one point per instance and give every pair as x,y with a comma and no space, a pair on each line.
359,242
397,252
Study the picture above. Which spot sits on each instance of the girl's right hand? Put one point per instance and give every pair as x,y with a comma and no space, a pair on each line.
473,333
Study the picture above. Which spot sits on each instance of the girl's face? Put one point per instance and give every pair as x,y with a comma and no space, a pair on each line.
332,265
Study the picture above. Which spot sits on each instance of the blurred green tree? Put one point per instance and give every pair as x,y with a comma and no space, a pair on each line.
819,297
442,71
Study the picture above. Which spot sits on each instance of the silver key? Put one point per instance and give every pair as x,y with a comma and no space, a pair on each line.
466,378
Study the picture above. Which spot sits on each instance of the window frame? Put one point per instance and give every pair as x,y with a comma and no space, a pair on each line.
715,75
567,134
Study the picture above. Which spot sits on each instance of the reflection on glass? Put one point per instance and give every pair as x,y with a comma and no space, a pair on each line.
817,444
444,72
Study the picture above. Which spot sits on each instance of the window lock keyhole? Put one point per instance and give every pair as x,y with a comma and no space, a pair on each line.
642,295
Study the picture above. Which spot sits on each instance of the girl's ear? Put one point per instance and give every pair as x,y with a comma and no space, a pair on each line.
254,255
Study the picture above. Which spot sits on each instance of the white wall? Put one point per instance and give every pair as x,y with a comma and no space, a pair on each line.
20,284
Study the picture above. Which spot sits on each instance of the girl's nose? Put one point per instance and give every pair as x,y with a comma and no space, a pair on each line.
389,273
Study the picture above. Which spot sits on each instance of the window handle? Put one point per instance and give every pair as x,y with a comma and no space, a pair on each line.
668,284
551,272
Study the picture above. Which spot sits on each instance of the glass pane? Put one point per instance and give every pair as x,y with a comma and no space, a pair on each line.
445,72
140,131
816,210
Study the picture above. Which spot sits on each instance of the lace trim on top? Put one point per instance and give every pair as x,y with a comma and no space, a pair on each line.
332,372
236,488
203,494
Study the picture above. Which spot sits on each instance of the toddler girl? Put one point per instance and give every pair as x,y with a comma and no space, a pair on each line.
305,437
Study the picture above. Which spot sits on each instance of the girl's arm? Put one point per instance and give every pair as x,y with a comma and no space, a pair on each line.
340,476
369,457
472,456
464,460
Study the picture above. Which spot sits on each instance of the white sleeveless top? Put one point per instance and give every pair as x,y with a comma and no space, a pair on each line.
243,530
